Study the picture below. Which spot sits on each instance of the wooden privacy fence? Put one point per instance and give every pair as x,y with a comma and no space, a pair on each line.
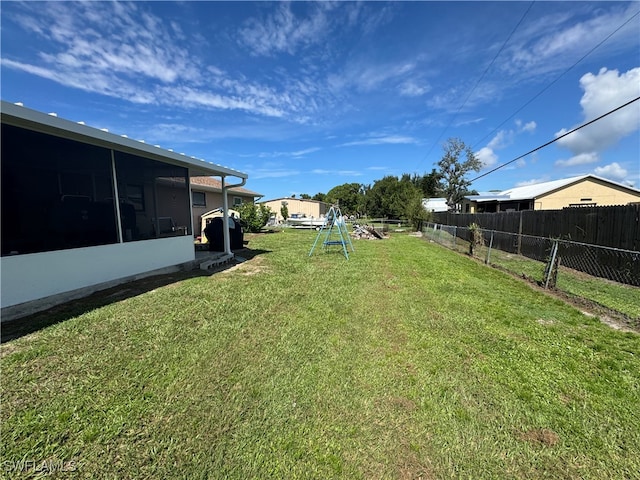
612,226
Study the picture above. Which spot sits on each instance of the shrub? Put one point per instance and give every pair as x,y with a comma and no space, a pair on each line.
253,217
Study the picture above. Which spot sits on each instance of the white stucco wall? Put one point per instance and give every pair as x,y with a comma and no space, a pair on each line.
39,275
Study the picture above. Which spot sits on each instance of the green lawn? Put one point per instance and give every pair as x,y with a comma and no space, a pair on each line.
624,299
407,361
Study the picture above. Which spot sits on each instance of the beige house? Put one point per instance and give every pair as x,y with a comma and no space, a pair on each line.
297,207
206,195
582,191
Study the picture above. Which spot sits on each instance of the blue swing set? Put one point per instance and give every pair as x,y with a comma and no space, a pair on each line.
335,232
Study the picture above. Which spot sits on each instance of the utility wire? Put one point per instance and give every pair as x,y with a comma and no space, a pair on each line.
555,139
555,80
480,79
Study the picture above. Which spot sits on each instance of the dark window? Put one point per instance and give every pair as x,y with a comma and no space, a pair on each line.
237,201
586,200
161,189
199,199
56,193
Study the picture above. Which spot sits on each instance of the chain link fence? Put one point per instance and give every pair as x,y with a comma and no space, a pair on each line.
540,259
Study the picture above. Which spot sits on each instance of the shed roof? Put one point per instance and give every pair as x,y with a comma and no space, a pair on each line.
14,114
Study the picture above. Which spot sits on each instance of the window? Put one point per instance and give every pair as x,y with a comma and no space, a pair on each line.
237,201
199,199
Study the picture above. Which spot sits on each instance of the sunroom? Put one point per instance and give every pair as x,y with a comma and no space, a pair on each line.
83,209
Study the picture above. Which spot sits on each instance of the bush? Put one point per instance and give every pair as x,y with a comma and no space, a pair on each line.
253,217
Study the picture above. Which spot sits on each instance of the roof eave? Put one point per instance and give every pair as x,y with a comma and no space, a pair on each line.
27,118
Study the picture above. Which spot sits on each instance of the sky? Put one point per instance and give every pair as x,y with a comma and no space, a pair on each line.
305,96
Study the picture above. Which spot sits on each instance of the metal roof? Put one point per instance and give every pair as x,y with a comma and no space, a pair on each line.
17,115
529,192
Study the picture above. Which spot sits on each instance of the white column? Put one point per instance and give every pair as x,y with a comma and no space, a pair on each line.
225,219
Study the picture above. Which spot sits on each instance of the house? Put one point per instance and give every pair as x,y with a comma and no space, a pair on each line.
206,195
435,204
84,209
585,190
296,207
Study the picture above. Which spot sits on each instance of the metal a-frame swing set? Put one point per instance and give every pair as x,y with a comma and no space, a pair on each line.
335,232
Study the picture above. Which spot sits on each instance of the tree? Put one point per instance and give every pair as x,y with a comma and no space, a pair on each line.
416,213
429,184
453,170
390,197
305,196
284,211
348,196
320,197
253,217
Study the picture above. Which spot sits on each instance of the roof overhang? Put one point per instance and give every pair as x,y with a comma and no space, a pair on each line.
236,191
41,122
488,198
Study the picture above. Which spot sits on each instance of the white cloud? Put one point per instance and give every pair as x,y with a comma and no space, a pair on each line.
273,173
527,127
282,31
580,159
306,151
613,171
487,156
145,59
294,154
388,139
366,77
411,88
602,93
547,44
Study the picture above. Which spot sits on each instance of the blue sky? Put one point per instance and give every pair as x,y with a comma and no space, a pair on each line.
306,96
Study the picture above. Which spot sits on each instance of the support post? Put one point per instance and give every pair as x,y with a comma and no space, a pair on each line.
552,268
225,218
488,259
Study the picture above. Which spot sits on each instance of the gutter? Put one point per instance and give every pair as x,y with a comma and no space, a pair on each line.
225,213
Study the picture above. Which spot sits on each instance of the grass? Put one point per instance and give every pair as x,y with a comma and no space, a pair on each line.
407,361
614,296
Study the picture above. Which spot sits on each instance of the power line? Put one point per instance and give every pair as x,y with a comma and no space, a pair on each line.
504,44
555,80
555,139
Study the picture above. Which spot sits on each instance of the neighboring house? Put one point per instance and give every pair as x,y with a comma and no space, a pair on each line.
582,191
435,204
206,195
84,209
297,207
